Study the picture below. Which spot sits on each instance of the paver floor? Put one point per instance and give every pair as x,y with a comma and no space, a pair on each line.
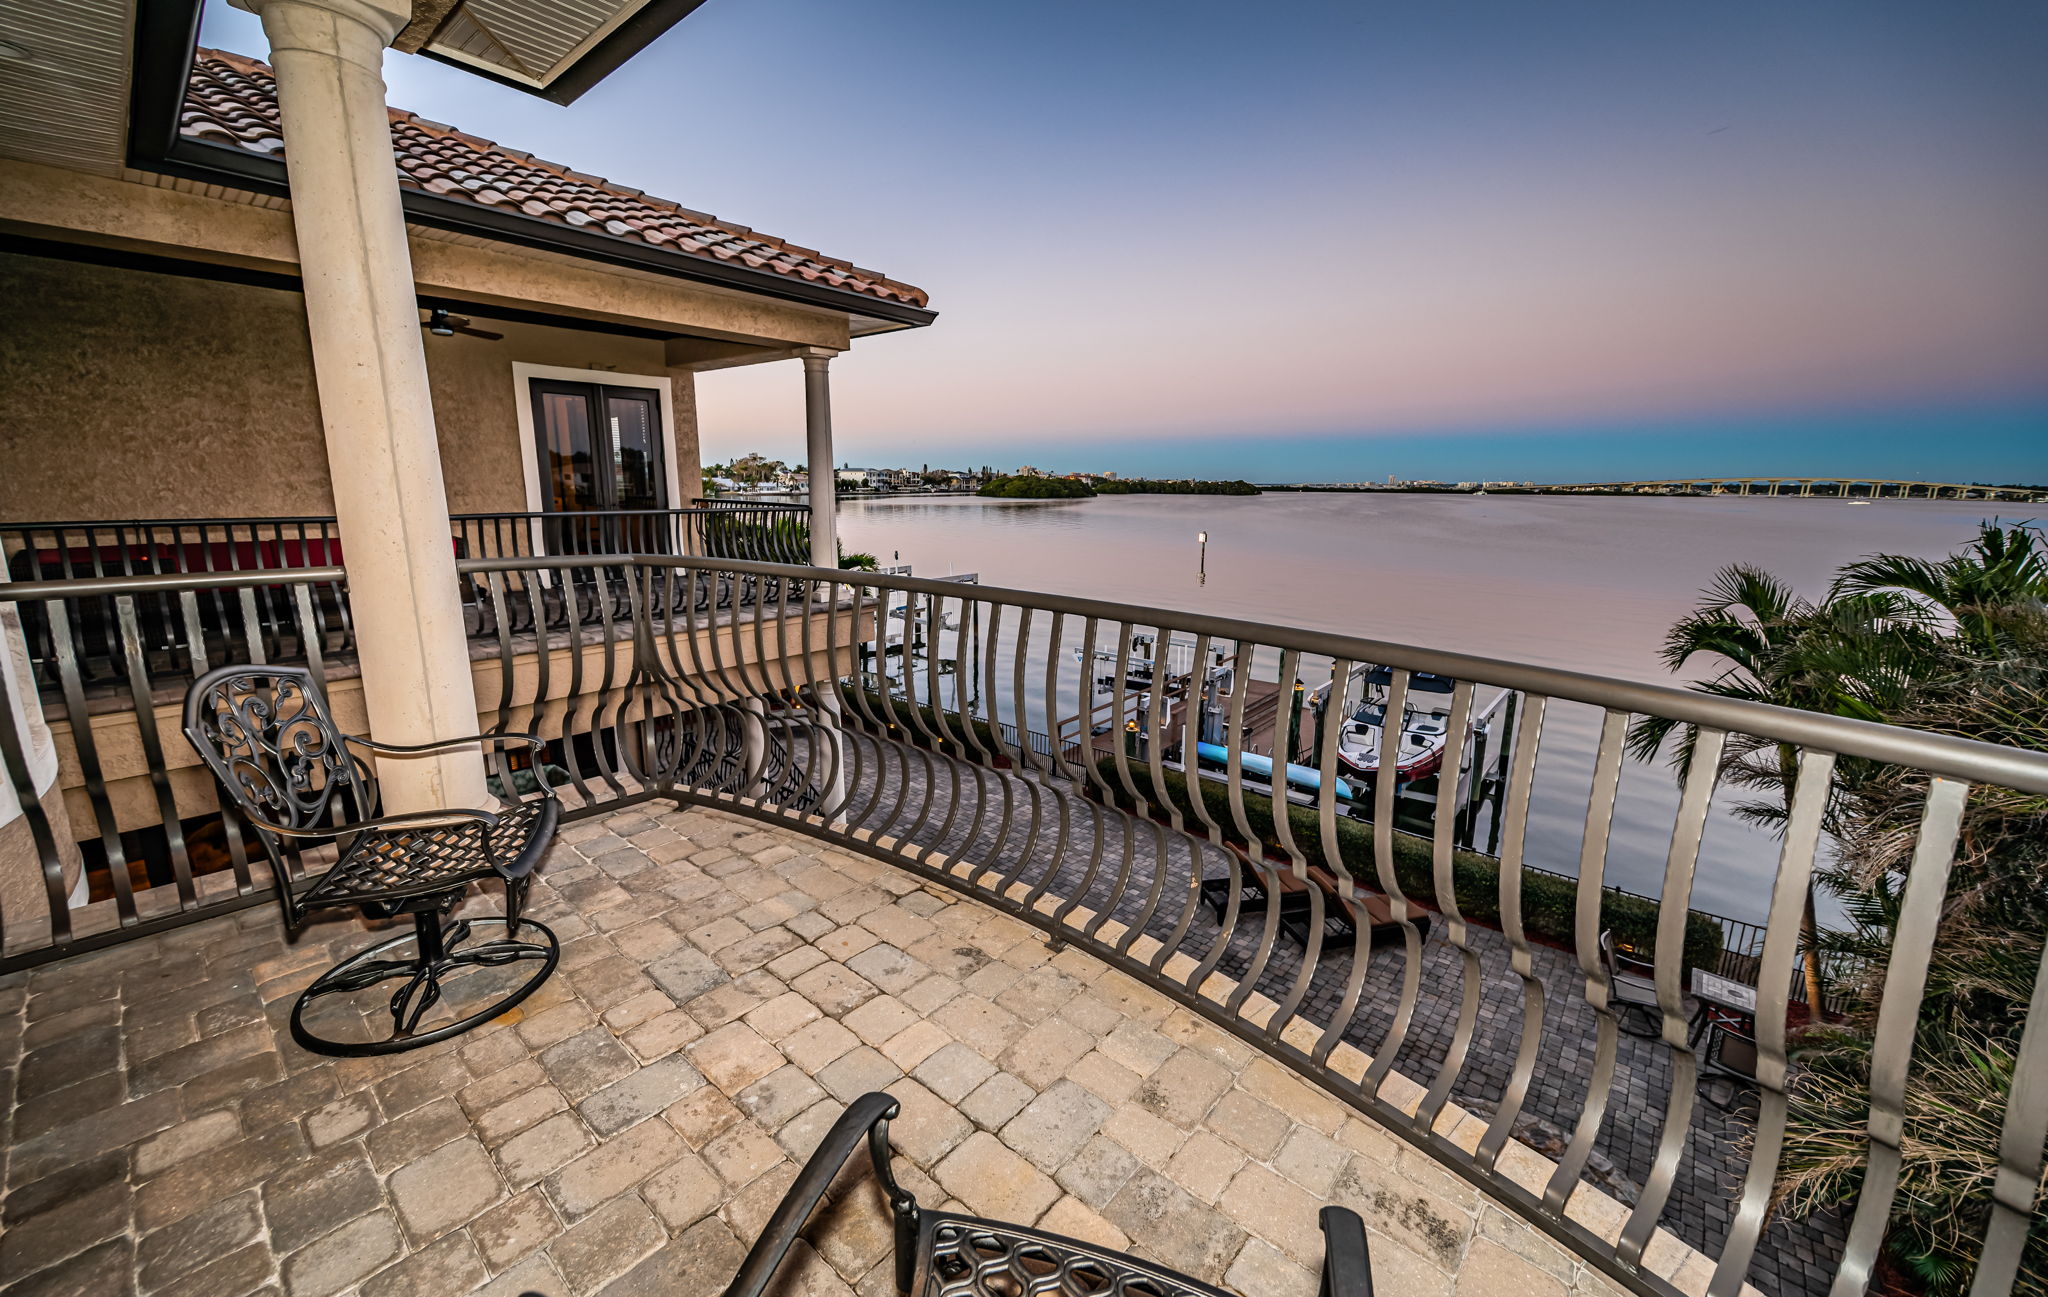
725,990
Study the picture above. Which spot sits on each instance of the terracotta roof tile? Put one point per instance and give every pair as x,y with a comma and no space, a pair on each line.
232,100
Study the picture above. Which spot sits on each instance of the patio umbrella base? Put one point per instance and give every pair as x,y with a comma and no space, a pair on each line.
436,952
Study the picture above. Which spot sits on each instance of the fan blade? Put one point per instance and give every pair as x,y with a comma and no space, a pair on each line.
479,333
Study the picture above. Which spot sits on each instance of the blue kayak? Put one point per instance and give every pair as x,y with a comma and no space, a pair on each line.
1307,777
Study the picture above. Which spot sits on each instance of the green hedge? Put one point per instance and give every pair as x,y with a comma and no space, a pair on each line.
1549,903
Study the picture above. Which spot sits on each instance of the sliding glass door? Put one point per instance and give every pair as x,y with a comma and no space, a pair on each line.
600,454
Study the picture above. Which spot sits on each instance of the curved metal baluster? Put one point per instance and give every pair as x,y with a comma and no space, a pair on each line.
1385,781
1329,730
1809,806
972,754
1155,740
886,697
2018,1180
1586,934
1444,823
940,733
14,749
1674,902
1191,783
1055,765
1022,763
1126,821
1095,787
1898,1015
144,709
1283,834
87,745
1521,958
911,838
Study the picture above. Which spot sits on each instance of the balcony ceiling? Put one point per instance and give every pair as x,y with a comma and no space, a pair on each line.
554,48
64,82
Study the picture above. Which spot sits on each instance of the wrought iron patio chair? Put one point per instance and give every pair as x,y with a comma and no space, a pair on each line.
943,1254
1632,990
1727,1057
268,737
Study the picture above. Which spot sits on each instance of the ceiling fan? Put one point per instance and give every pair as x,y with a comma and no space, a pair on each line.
441,324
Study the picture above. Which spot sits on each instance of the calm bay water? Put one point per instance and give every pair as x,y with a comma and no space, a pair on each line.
1588,583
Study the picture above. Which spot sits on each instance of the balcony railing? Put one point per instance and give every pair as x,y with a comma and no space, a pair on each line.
1444,991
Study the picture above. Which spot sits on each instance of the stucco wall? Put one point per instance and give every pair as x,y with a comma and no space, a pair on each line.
127,394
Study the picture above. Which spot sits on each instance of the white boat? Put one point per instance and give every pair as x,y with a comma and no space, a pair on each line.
1425,727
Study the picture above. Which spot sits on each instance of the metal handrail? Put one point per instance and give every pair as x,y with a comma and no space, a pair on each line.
912,740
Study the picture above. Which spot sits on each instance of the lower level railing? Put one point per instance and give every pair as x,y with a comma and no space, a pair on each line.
1477,1006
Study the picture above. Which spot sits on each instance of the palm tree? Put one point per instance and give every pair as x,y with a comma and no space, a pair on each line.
2002,573
1853,655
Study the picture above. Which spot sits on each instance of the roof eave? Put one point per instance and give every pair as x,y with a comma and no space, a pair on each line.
238,168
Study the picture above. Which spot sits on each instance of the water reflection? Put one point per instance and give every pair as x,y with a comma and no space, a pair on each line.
1588,584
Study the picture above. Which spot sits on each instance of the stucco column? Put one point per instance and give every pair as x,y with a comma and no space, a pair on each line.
371,369
818,447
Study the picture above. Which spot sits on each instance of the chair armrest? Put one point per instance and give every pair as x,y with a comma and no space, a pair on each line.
1347,1269
408,820
441,745
869,1113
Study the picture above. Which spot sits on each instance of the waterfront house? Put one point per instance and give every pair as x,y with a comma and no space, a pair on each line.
824,835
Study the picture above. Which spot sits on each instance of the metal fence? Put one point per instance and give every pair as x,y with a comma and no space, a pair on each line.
1462,1001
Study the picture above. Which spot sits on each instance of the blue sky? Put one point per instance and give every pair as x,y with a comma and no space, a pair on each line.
1480,238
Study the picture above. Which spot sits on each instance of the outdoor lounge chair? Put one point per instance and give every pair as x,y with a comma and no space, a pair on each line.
1632,991
941,1254
1339,930
266,734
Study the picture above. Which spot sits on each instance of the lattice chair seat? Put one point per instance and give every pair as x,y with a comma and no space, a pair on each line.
941,1254
414,862
268,737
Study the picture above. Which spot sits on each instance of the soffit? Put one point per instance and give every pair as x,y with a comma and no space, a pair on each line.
66,103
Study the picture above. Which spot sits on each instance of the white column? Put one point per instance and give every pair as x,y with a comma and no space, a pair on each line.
371,368
818,447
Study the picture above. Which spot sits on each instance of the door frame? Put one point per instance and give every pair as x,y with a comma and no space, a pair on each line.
529,451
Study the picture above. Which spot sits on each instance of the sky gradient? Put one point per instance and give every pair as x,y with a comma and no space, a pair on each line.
1579,239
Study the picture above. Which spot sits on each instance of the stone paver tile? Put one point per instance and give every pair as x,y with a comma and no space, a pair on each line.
1205,1166
800,960
994,1181
1047,1051
1253,1126
1151,1140
734,1057
741,1154
683,1192
514,1228
701,1116
311,1197
748,1210
1310,1159
1105,1078
640,1095
888,967
169,1147
662,1035
977,1022
421,1084
1262,1268
519,1112
687,974
880,1019
733,1000
104,1269
1489,1268
419,1132
199,1182
927,996
845,943
1097,1172
542,1148
707,1248
1397,1269
858,1072
927,1127
1184,1088
1138,1047
232,1274
779,1096
586,1063
605,1244
446,1188
614,1167
198,1240
344,1118
1176,1230
341,1259
801,1134
915,1043
996,1100
1420,1221
1054,1125
954,1071
1076,1219
634,1010
1273,1083
834,988
817,1045
450,1267
500,1085
782,1016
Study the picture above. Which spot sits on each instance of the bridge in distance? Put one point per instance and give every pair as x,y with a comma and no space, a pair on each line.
1836,487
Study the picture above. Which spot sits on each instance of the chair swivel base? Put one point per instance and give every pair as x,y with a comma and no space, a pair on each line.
438,951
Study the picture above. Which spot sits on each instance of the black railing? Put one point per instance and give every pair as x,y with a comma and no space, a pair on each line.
1462,1002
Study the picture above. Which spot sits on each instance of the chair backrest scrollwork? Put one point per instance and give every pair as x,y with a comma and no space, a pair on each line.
268,737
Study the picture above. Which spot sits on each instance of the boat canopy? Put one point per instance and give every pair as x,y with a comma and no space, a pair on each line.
1418,681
